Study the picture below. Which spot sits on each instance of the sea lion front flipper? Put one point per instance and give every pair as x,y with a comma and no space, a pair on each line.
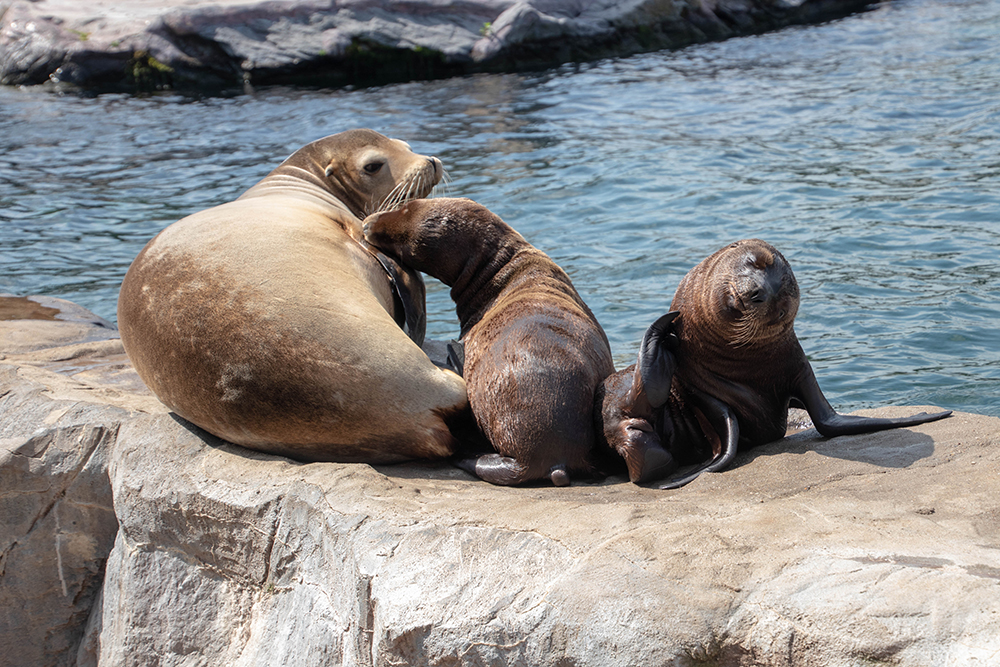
409,290
831,423
723,421
656,364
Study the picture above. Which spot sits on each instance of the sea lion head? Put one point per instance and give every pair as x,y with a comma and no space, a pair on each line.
437,236
365,170
745,293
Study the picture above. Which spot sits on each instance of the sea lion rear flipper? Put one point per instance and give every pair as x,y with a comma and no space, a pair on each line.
628,412
724,422
507,471
831,423
656,364
456,356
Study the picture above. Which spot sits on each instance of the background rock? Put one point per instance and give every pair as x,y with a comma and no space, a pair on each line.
29,323
57,524
147,45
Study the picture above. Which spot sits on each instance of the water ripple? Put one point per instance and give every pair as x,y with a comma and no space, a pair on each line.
866,149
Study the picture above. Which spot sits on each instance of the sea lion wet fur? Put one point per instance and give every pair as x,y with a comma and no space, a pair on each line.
534,352
720,371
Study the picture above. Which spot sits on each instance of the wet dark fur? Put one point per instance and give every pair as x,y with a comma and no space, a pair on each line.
733,343
534,353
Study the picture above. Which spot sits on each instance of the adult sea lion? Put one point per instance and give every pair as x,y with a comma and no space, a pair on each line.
720,371
534,353
267,321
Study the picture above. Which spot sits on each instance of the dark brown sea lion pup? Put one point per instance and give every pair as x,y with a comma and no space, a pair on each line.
724,372
268,323
534,353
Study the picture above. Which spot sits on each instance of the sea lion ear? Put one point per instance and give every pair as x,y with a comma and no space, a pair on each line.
330,168
657,363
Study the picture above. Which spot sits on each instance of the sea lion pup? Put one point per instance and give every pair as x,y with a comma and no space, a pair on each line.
268,323
725,371
534,353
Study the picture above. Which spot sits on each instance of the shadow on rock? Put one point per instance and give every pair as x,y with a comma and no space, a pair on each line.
898,448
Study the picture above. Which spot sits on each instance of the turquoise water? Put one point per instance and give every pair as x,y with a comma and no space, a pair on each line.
867,150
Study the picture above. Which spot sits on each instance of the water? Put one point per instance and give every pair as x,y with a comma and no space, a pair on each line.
867,150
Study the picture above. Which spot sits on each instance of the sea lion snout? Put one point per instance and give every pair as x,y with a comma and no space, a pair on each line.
393,231
375,224
760,283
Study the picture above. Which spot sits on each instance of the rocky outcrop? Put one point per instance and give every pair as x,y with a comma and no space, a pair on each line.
868,550
147,45
57,522
65,390
873,549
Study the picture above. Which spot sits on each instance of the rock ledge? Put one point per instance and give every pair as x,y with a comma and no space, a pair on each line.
874,549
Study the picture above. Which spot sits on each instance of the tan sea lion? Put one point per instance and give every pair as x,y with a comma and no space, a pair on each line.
534,353
720,371
268,323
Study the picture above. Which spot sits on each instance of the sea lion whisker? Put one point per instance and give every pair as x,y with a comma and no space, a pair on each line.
442,188
402,196
414,188
391,200
747,329
398,193
407,194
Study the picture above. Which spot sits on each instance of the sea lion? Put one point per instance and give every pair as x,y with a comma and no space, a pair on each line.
267,321
720,372
534,352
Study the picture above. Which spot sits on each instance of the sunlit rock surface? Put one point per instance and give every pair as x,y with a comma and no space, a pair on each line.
874,549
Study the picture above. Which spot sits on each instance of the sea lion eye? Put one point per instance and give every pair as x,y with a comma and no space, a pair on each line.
373,167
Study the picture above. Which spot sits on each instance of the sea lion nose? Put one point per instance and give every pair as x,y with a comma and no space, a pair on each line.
366,224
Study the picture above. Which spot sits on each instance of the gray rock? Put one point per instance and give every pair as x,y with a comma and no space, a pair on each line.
857,550
146,45
57,524
36,322
873,549
60,410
